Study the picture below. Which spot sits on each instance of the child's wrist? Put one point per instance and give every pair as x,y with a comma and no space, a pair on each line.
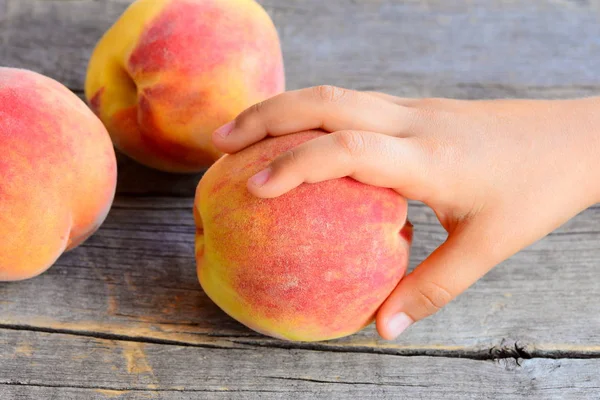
589,127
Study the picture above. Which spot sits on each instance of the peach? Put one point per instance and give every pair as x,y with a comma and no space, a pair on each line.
169,72
313,264
58,172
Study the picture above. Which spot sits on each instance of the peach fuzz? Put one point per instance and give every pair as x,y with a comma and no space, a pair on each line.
311,265
58,172
169,72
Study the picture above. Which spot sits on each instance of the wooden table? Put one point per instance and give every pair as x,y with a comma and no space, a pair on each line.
123,316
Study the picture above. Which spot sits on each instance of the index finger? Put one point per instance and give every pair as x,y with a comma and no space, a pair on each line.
323,107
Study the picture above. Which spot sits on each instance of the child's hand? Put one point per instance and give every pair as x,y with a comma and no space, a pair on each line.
498,174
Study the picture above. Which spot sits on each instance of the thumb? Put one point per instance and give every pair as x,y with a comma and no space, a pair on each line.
447,272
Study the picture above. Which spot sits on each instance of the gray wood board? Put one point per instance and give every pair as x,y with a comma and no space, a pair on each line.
123,316
131,370
478,48
136,279
466,49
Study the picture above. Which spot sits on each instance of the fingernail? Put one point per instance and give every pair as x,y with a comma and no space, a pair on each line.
226,129
261,178
399,323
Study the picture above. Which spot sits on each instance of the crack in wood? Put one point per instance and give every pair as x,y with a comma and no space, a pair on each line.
325,381
134,389
515,351
117,337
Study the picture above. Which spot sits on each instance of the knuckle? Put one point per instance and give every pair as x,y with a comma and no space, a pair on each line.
352,143
433,297
328,93
253,115
289,157
258,108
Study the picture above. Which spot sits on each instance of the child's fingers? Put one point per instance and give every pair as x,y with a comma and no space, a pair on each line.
371,158
446,273
323,107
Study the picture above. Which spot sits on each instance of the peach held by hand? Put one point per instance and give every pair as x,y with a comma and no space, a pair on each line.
169,72
313,264
57,173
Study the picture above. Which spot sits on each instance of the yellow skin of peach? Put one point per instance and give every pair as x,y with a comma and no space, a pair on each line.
58,173
169,72
311,265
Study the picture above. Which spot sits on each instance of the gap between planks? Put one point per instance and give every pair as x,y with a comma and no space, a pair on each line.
515,350
108,390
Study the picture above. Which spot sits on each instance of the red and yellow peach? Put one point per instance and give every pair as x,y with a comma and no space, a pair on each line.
169,72
58,172
313,264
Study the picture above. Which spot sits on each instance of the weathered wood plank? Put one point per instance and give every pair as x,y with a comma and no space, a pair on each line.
136,278
469,49
136,179
466,49
134,370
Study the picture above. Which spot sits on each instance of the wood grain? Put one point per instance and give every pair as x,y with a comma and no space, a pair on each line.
135,179
128,370
466,49
136,279
123,316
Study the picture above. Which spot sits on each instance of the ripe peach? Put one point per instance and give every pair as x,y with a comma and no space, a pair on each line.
313,264
58,172
169,72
